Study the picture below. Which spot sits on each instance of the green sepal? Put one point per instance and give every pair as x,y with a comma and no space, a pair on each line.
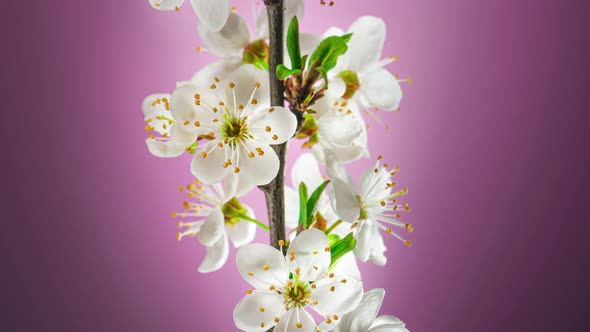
284,72
293,43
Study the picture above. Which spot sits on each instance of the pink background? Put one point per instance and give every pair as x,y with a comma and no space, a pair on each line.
491,141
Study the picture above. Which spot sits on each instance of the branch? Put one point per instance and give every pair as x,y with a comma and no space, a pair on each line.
274,191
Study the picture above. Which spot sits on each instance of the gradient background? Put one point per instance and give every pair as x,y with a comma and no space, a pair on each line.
492,140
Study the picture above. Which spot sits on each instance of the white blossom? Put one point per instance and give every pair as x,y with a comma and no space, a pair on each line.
213,217
375,207
282,302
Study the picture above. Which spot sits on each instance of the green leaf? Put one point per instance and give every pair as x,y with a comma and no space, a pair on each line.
327,53
303,205
333,239
284,72
313,200
304,61
293,43
341,248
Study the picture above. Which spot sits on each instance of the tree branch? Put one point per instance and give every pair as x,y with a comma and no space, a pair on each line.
274,191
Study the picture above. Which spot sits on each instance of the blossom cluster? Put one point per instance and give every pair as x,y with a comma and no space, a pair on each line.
223,117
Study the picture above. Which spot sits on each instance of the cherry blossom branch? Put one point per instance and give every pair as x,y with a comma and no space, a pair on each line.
274,191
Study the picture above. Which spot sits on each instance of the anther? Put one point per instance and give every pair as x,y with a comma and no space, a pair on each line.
251,274
299,325
272,109
275,137
265,267
267,129
232,85
237,170
261,309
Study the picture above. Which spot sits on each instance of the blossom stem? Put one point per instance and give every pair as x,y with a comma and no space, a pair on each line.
274,191
338,222
261,225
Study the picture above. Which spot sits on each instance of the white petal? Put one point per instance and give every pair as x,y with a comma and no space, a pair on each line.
166,4
220,68
230,40
165,149
213,13
336,87
210,169
291,208
289,321
370,243
344,201
311,257
186,112
364,48
388,328
337,295
230,187
248,316
242,232
381,90
260,169
374,185
212,228
347,265
216,256
262,265
306,170
274,125
342,136
245,78
361,318
244,186
388,320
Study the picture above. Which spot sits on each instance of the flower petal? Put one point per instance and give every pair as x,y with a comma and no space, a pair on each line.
262,265
361,318
262,167
344,201
187,111
250,83
337,294
342,136
306,170
296,319
387,320
216,256
208,167
312,259
165,149
220,68
230,40
374,184
291,208
242,232
381,90
347,265
366,43
370,243
212,228
257,311
213,13
166,4
274,125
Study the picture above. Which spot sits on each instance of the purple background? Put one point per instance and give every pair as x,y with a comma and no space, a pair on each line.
491,139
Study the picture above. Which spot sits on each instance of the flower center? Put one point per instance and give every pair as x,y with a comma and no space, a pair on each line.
297,293
256,53
351,80
233,129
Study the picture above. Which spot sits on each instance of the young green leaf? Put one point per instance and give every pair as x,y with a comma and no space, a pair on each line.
284,72
327,53
293,43
341,248
303,205
313,200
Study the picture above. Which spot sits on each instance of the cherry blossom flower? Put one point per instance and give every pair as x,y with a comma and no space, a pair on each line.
364,317
374,208
212,13
361,71
235,119
215,218
282,302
